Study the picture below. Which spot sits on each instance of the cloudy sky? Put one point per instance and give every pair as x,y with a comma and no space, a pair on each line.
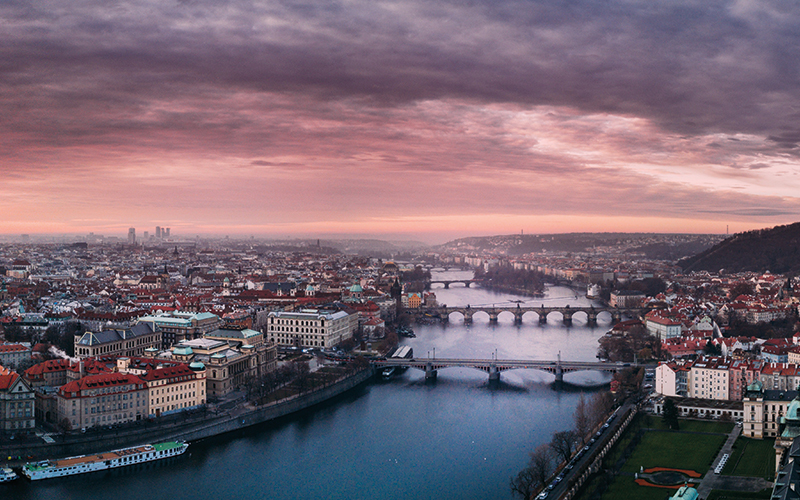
430,119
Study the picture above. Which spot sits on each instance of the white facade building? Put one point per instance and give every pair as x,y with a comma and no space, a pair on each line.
311,328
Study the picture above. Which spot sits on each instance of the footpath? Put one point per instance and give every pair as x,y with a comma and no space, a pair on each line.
713,481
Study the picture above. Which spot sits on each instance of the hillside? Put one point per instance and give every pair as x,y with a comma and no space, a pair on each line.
647,245
776,250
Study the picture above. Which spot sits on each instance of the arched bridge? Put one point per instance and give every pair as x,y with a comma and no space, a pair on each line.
495,366
543,311
467,282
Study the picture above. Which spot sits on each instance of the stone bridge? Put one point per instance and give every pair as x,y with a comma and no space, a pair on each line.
467,282
567,312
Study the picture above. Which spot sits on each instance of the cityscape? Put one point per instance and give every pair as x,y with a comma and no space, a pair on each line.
400,250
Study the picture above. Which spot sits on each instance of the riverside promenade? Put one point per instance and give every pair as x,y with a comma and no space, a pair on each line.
189,426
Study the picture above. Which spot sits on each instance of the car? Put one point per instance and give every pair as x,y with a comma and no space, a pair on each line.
570,466
605,426
586,448
542,495
551,486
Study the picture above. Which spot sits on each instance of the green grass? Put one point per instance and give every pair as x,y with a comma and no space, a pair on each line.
676,450
751,458
738,495
624,487
691,425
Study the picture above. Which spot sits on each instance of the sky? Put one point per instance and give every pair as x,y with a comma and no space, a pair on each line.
421,119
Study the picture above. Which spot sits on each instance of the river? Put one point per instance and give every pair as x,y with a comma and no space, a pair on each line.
456,438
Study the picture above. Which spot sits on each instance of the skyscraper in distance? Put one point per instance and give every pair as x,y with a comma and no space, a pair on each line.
158,232
132,236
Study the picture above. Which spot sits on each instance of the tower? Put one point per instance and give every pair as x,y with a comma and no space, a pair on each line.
166,235
158,232
132,236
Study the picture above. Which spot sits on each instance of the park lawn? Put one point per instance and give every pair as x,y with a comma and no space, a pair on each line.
751,458
657,422
738,495
625,487
676,450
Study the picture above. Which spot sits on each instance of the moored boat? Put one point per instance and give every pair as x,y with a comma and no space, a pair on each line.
7,475
108,460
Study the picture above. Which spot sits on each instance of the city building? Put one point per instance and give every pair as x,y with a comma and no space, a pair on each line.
132,236
172,387
104,399
16,403
672,378
626,298
709,379
178,326
662,326
131,341
311,328
11,355
227,367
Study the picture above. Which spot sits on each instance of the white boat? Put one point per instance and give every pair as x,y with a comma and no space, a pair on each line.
102,461
7,475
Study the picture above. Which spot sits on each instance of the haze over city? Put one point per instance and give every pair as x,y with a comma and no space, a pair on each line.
401,119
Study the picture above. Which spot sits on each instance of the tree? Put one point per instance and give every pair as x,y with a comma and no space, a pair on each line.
582,418
541,464
524,484
562,444
671,414
743,288
601,405
712,349
64,425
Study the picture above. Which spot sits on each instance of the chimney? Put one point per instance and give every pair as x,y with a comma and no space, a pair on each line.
80,369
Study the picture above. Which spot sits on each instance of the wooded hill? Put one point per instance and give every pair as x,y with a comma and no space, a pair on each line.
776,250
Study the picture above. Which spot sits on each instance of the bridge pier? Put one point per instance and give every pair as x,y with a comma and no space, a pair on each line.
559,373
494,373
493,317
468,318
517,319
616,317
542,317
468,284
446,284
445,317
592,320
430,372
567,318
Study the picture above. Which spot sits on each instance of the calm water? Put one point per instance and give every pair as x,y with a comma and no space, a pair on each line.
403,439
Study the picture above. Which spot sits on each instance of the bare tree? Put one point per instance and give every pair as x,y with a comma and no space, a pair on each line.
601,405
541,464
582,418
562,444
524,484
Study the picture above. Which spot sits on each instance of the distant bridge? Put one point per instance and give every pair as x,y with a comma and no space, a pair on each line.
495,366
567,312
467,282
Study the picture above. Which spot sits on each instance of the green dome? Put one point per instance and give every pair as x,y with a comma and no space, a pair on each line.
791,412
356,288
755,386
197,366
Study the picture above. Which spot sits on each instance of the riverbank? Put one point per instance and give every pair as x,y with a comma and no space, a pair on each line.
189,427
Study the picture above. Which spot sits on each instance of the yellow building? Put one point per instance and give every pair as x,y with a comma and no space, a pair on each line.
175,388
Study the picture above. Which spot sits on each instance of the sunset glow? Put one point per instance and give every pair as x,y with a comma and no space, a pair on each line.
398,118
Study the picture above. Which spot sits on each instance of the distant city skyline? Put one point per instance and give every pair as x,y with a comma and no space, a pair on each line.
413,120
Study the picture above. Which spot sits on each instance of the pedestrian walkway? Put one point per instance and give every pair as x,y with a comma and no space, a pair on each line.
712,481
